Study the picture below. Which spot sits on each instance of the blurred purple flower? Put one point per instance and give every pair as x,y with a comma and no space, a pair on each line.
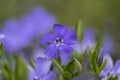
42,20
89,41
108,44
61,43
110,70
2,36
38,52
116,69
14,38
20,33
42,70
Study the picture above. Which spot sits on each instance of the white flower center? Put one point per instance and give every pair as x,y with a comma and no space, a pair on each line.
58,41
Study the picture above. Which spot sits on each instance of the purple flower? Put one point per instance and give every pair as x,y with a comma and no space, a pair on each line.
2,36
14,39
41,71
21,32
116,68
108,44
89,41
59,43
110,70
41,20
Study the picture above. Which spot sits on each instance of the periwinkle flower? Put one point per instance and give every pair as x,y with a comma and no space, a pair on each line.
110,71
59,43
14,39
42,20
116,69
2,36
21,32
41,71
108,43
89,41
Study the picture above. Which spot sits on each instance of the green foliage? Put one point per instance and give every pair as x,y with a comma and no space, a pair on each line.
94,56
1,50
18,72
115,78
79,67
101,67
58,66
6,71
80,31
21,69
67,75
70,66
42,46
78,56
68,71
33,63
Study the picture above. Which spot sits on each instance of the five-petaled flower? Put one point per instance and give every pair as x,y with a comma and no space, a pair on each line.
59,43
42,70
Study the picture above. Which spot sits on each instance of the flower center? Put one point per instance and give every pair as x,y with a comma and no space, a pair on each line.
58,41
36,78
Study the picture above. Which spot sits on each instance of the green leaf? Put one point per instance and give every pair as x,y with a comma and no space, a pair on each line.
102,67
21,69
78,56
1,50
42,46
115,78
94,62
70,67
58,66
6,71
67,75
90,57
80,31
94,55
99,44
33,62
79,66
5,75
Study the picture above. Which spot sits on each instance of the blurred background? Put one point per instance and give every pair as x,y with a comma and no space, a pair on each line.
101,15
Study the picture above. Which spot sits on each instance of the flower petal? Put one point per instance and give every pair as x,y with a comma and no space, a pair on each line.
108,44
50,76
2,36
31,73
70,38
65,53
89,40
47,39
42,67
60,30
116,69
51,51
109,61
108,69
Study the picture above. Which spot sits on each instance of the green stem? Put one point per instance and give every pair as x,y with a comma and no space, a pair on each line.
58,66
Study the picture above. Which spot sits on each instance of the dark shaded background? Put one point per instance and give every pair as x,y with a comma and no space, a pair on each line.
103,15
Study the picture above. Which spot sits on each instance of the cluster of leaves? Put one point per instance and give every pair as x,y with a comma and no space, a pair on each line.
12,67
